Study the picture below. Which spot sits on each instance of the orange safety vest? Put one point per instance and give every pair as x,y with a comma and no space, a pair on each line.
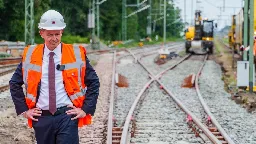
73,58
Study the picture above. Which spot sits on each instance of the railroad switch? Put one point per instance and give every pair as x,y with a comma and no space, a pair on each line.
116,135
189,119
192,126
133,127
114,121
209,121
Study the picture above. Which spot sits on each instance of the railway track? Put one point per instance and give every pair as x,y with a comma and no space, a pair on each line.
8,66
119,116
180,124
97,132
4,88
211,132
214,129
8,71
116,130
6,61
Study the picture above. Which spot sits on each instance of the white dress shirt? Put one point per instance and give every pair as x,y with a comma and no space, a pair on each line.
62,98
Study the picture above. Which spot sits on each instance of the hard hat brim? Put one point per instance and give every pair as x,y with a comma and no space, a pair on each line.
52,28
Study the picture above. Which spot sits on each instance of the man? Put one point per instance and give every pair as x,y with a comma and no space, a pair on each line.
61,86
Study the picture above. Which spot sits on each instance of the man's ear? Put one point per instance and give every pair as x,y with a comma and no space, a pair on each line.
41,33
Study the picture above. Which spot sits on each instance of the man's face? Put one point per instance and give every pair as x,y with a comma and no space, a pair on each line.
51,38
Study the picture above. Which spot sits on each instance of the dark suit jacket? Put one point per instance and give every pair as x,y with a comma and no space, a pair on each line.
91,80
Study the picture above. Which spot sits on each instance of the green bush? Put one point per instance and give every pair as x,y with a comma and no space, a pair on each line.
74,39
4,55
69,39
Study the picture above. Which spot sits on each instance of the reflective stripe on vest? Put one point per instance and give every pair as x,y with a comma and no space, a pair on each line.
26,67
31,97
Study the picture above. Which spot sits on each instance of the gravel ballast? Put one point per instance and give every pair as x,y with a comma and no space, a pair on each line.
96,132
137,78
154,68
237,122
159,120
173,80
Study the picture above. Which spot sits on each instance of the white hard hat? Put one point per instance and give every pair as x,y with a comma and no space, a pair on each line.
52,20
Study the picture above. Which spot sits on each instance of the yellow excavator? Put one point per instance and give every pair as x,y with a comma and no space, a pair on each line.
200,36
207,39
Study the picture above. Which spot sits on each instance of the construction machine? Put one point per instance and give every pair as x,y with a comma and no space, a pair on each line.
189,34
232,33
194,33
207,39
236,32
200,36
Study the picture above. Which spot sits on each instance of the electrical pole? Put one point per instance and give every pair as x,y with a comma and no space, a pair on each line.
98,19
164,21
220,15
124,20
246,6
251,58
185,12
124,16
29,22
149,28
192,1
223,5
93,11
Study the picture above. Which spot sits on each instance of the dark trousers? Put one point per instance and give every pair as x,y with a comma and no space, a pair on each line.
59,129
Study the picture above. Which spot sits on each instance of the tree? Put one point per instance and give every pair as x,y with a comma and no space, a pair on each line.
75,13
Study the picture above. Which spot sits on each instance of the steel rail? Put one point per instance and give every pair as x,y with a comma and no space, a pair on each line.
3,88
207,110
7,71
172,45
154,52
207,132
117,49
111,105
158,76
4,61
128,118
184,108
110,122
7,66
196,121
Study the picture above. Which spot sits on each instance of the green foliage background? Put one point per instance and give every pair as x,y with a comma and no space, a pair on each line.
75,13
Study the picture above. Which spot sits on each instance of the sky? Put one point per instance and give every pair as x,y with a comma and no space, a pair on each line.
210,9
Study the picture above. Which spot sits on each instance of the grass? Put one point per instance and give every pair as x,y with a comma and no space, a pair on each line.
68,39
225,40
160,41
217,47
4,55
225,59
